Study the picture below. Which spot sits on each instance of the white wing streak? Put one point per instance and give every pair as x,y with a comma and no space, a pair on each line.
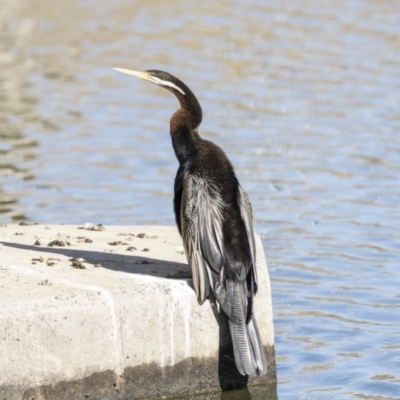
201,221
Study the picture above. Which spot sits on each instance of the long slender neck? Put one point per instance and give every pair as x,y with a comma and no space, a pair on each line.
189,102
184,139
184,124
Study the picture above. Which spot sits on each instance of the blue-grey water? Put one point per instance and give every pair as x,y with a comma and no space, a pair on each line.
304,96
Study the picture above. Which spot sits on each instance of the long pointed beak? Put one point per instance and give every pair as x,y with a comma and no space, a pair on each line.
143,75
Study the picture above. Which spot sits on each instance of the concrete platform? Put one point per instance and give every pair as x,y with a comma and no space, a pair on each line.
109,313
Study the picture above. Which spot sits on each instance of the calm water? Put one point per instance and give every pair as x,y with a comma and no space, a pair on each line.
304,96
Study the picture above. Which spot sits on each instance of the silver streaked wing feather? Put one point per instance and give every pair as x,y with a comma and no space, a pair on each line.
247,215
201,222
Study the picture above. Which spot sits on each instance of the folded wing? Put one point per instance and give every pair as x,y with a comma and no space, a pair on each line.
201,222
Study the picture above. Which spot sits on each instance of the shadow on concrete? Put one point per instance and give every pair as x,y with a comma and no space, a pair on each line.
129,263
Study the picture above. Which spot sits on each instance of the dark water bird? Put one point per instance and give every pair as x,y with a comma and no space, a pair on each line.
214,217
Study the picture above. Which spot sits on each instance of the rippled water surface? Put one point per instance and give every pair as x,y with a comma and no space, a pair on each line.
304,96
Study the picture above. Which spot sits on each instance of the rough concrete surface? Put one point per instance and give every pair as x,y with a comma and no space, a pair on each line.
109,313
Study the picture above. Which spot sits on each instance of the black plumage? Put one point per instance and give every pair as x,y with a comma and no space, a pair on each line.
214,217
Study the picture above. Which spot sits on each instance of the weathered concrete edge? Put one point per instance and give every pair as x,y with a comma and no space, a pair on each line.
149,381
152,380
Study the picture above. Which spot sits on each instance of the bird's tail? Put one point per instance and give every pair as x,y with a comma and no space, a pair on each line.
247,345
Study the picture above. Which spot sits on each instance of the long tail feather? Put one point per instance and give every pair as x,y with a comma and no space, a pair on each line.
259,353
247,345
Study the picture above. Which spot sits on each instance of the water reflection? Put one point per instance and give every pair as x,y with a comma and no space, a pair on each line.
17,110
254,393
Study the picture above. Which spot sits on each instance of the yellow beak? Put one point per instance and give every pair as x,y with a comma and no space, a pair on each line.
143,75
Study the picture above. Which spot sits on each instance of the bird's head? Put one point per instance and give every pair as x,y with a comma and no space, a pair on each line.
159,78
185,96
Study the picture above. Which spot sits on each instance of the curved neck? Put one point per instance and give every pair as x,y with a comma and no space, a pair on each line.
184,138
190,104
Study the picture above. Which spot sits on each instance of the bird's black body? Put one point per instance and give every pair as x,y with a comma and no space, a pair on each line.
210,163
214,217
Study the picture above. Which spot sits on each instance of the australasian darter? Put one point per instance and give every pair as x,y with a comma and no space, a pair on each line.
214,217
